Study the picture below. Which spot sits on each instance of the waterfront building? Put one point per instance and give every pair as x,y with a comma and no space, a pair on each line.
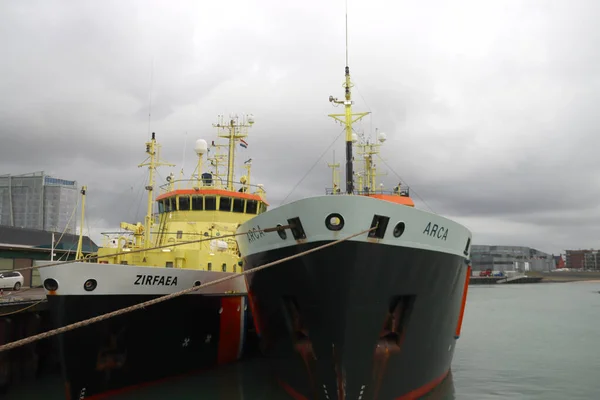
510,258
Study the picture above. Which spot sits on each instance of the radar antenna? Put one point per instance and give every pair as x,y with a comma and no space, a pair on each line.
348,118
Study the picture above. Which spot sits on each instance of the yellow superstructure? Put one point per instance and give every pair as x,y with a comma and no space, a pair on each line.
207,205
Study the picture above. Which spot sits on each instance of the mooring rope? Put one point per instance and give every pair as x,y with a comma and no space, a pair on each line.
266,230
44,335
13,293
19,310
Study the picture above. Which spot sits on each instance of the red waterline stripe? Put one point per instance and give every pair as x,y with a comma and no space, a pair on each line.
414,395
137,386
423,390
291,391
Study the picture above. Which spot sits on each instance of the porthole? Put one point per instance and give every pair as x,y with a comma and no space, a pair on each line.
281,232
334,222
90,285
399,229
197,283
50,285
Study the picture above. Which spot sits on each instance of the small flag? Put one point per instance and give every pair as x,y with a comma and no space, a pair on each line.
243,143
247,161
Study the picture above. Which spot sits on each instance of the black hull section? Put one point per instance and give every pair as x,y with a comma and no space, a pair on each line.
175,337
358,320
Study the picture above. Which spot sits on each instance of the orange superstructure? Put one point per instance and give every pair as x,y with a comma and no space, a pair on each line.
393,198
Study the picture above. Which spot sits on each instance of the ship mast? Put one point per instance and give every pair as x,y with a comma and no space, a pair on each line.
153,161
334,174
245,180
348,118
367,150
233,131
216,160
79,253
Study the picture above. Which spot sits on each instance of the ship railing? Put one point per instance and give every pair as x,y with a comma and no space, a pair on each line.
404,192
211,183
118,240
124,244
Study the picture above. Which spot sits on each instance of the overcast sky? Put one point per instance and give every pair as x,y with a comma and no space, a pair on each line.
490,107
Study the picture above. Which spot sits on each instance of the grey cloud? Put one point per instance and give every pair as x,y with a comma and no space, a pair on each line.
489,107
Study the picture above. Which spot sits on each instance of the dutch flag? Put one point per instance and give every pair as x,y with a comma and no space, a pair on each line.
243,143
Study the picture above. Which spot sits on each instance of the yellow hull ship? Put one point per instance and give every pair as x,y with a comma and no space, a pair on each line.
187,243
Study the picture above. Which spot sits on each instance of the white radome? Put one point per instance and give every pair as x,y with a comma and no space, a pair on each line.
201,146
218,245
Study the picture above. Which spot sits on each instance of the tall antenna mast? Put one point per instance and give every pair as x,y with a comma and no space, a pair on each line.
346,33
150,94
153,161
348,118
79,252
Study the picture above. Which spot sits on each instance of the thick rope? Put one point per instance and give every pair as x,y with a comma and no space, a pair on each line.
22,309
266,230
13,293
31,339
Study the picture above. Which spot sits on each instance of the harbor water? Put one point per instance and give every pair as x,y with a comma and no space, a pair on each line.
526,341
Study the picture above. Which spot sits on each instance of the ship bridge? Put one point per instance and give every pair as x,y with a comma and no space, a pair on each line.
208,196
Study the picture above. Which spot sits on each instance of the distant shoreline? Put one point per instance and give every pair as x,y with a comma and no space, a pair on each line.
573,280
564,277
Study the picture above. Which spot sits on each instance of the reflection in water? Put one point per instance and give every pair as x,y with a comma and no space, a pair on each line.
245,380
548,369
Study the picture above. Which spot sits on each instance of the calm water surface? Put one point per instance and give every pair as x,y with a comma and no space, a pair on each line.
537,341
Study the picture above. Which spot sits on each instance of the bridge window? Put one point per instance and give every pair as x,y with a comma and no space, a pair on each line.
225,204
210,203
179,234
168,205
263,208
251,207
161,206
197,203
238,205
224,267
184,203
